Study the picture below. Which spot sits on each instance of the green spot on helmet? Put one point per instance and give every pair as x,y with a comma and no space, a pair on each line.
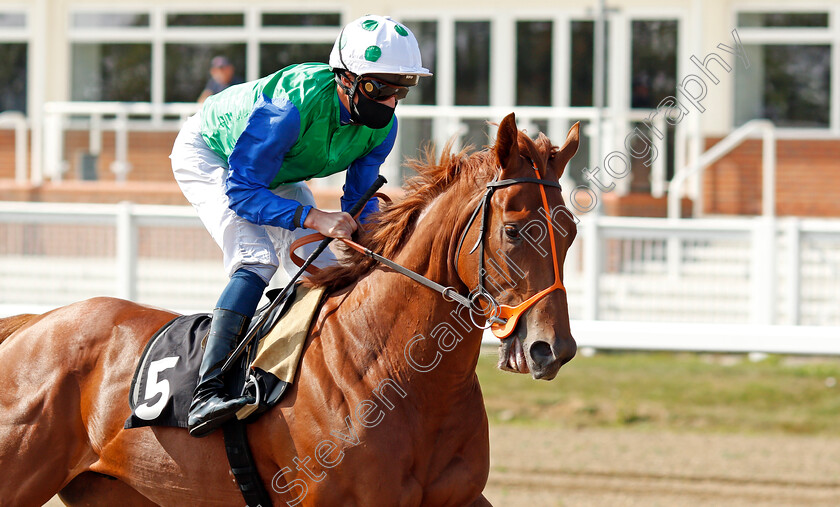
401,30
370,24
372,53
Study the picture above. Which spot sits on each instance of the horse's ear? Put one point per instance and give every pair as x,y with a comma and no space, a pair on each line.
558,161
507,141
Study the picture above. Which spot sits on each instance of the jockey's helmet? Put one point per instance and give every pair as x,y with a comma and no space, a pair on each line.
380,46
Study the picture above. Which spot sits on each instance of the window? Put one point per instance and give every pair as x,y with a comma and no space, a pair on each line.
583,63
109,20
113,51
12,20
274,57
111,72
13,77
202,20
788,84
653,77
789,78
783,19
533,63
472,63
13,59
187,68
425,91
416,133
654,62
301,19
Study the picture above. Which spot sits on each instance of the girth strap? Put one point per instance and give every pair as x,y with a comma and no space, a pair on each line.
242,465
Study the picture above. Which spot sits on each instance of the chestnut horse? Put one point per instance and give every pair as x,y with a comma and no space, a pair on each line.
386,408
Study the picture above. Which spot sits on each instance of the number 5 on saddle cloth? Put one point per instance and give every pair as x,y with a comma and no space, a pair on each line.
166,376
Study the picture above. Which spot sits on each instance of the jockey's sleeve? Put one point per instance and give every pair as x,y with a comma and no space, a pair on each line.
272,128
363,172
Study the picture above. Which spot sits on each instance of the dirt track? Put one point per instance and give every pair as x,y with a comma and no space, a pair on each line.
551,467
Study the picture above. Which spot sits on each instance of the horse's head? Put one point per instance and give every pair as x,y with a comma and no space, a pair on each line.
524,231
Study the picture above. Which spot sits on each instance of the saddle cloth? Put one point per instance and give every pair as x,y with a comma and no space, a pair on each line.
167,373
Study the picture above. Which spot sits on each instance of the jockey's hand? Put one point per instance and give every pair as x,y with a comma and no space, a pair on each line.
331,225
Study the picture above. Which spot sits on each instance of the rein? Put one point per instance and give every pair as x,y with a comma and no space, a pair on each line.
502,318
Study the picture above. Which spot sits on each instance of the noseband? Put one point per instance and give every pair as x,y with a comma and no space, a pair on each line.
503,318
479,303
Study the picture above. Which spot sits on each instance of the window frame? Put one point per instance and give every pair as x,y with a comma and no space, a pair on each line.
158,34
23,35
828,36
503,81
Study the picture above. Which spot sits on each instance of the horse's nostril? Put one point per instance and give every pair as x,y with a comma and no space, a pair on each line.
541,353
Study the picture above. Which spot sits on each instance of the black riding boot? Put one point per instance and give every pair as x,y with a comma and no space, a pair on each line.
211,405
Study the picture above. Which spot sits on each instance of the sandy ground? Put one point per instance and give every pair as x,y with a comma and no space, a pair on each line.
628,468
553,467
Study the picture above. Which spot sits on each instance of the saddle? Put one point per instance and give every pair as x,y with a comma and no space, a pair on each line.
167,373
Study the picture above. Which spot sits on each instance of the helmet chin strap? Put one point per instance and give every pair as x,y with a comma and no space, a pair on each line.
350,91
355,116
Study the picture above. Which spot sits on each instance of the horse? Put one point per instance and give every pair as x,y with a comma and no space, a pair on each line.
386,407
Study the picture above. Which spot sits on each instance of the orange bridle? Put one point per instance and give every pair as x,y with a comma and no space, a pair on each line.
502,318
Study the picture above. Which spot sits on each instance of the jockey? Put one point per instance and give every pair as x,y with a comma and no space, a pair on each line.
242,160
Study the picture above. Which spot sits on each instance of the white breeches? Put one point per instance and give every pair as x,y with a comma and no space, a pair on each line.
201,173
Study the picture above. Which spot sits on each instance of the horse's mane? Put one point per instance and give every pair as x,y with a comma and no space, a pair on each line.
390,228
11,324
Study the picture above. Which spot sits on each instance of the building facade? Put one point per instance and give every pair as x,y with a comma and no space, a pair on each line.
100,89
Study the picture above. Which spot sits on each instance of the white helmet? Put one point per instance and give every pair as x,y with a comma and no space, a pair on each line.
378,45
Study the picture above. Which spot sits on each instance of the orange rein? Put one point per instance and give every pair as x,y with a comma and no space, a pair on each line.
504,320
312,238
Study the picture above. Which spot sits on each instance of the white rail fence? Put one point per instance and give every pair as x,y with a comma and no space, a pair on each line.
725,292
97,117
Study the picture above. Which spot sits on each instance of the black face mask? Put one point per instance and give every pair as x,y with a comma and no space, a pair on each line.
369,112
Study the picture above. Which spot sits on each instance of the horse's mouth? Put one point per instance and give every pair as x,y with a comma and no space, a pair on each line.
512,356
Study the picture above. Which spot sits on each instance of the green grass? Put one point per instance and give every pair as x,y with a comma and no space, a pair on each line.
679,392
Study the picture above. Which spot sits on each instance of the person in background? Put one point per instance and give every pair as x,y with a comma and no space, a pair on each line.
243,159
222,75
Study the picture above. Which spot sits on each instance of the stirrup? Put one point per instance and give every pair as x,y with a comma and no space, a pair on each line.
249,409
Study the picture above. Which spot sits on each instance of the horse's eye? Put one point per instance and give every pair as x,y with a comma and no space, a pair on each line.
512,231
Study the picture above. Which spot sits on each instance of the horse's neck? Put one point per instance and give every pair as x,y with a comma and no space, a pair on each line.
425,343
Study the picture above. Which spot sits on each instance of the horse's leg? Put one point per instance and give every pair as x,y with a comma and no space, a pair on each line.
90,489
481,502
